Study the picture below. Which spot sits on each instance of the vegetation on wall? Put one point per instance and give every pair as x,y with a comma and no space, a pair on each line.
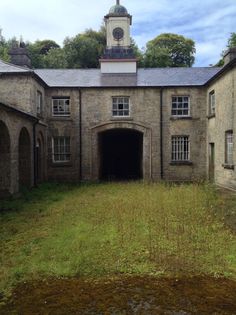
231,43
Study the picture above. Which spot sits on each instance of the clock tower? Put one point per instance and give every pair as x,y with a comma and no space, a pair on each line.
118,56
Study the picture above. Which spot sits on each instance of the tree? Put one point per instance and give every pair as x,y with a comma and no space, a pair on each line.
231,43
39,49
5,46
55,59
169,50
84,50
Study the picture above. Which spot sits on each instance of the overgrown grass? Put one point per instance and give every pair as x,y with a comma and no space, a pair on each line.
106,229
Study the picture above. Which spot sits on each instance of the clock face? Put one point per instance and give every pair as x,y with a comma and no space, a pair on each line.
118,33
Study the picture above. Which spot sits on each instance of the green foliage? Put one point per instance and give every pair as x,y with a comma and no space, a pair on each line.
169,50
39,51
232,41
133,228
4,47
83,51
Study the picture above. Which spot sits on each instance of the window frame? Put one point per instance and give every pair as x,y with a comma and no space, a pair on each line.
178,148
64,151
120,110
229,147
182,108
64,113
212,103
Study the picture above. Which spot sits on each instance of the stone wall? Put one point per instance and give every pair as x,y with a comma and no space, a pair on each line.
20,91
193,126
63,126
225,96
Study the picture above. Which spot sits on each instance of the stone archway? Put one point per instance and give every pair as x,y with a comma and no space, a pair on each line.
111,132
5,160
24,158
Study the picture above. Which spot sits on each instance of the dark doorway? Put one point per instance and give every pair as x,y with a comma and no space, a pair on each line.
24,158
121,154
211,162
5,160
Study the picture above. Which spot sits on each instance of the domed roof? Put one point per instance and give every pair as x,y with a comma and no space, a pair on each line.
118,10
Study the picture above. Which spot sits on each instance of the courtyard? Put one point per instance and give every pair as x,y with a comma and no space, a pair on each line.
118,248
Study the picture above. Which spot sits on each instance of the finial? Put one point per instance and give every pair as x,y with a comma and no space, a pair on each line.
117,2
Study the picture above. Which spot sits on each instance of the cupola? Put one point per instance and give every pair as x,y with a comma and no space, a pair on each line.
118,56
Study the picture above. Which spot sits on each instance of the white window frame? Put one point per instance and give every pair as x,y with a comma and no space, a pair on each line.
229,148
63,149
178,149
178,106
39,102
60,108
212,103
120,106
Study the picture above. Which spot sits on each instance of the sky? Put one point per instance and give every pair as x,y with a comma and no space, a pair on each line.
208,22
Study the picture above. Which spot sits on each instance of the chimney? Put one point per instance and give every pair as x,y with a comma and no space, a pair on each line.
19,55
229,55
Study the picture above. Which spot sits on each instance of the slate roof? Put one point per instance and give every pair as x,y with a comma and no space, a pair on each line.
6,67
152,77
155,77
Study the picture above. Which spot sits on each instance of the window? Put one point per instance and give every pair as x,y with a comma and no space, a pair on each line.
212,103
120,106
61,106
39,102
229,147
180,106
180,148
61,149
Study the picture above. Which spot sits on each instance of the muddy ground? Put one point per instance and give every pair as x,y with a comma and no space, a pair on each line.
124,295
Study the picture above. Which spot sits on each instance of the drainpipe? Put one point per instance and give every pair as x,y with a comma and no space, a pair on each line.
34,152
80,134
161,133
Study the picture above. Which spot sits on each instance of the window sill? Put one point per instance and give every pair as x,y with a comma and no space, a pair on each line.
211,116
61,164
181,163
228,166
181,117
121,118
61,118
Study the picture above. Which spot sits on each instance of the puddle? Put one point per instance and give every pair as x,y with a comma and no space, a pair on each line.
124,296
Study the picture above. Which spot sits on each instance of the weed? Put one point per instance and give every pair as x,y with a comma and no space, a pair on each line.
105,229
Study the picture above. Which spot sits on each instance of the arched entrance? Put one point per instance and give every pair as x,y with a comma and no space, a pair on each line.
123,130
24,158
121,154
5,160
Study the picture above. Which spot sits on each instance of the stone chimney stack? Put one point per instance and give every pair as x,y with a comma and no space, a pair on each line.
19,55
229,55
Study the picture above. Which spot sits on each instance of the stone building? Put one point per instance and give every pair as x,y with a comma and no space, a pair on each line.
116,122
